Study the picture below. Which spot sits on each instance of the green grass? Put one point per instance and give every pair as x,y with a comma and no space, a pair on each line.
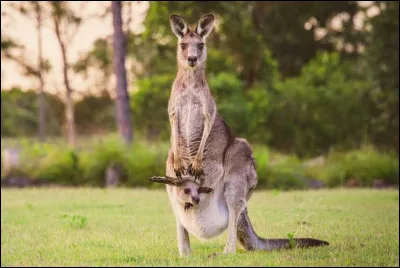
136,227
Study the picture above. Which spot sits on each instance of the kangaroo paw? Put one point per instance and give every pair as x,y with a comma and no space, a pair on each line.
195,170
179,170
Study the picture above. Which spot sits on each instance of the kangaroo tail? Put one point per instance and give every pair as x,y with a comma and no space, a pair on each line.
251,241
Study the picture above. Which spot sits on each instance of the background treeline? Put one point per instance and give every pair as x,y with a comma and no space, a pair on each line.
287,76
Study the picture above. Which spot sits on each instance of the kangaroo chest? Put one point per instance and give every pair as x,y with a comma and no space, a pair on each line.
190,106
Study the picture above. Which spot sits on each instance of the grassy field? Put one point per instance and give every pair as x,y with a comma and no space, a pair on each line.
133,227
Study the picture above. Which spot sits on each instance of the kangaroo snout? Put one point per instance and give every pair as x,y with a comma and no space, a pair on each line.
196,200
192,60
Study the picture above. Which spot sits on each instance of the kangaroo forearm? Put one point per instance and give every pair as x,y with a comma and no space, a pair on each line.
206,133
208,122
174,127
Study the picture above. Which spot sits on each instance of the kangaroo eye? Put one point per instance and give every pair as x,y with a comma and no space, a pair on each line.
183,46
186,191
200,46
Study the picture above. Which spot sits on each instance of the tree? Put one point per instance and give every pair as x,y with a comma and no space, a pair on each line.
260,26
42,112
122,98
19,113
99,59
32,10
382,54
63,18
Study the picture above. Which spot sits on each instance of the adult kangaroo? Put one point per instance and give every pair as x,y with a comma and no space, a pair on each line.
203,147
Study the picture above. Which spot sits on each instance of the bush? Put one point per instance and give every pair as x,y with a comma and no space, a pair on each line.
87,166
261,157
278,171
145,161
138,162
96,161
60,167
285,173
364,165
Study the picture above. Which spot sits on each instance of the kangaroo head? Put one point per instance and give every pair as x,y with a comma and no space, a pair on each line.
192,51
187,191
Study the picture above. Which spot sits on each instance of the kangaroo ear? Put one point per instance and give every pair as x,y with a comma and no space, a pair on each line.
178,26
205,25
167,180
205,190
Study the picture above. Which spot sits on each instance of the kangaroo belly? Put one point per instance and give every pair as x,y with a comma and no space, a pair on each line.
206,221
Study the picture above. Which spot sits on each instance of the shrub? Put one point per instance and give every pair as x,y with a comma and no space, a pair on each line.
286,173
138,162
278,172
60,167
365,165
96,161
87,166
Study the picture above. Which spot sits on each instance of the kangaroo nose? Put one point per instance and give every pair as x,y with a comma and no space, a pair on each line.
196,200
192,59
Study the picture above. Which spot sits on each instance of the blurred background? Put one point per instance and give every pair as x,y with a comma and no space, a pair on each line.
313,86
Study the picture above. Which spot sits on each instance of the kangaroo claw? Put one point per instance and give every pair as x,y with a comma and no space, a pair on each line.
195,171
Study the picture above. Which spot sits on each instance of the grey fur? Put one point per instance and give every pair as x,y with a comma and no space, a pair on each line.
204,147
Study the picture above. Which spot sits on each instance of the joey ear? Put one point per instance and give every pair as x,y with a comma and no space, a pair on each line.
205,190
178,26
205,25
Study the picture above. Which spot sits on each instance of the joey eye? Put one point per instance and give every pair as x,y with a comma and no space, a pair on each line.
200,46
183,46
186,191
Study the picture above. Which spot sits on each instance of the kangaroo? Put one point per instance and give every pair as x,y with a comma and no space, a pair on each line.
204,147
187,191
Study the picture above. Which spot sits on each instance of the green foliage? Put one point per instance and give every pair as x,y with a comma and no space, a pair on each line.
227,89
58,166
382,54
322,108
19,113
137,163
364,165
284,173
274,84
292,241
96,114
87,165
96,161
258,103
99,56
261,156
149,106
76,221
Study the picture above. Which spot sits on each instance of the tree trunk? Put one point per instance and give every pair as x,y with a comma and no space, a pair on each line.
119,51
69,104
41,108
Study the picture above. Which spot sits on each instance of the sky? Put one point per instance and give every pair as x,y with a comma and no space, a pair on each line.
23,30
